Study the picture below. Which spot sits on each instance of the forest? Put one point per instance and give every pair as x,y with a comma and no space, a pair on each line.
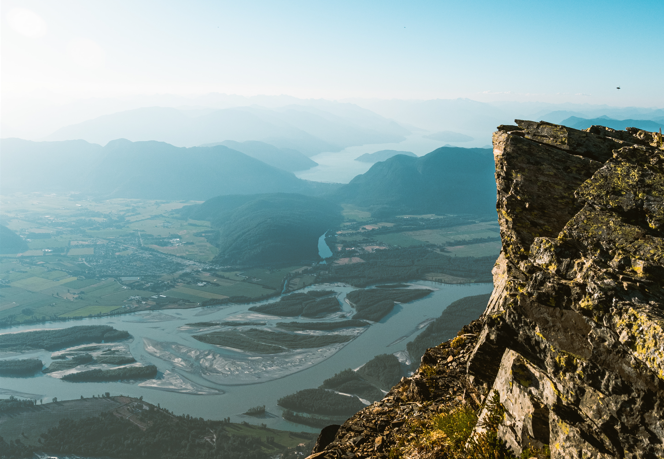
451,320
165,437
321,401
267,229
7,405
384,371
115,374
295,326
76,360
349,382
374,304
311,421
57,339
267,342
20,367
301,304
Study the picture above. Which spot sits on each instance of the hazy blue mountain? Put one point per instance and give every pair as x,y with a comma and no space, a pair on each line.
449,136
148,170
583,123
469,117
304,129
558,116
46,166
267,229
10,242
382,155
448,180
157,170
348,124
283,158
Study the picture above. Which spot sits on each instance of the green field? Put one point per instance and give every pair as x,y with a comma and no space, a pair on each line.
89,311
350,212
400,239
81,251
34,284
476,250
273,278
79,284
51,243
200,294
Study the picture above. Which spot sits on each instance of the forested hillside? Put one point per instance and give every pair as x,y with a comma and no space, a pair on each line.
267,229
447,180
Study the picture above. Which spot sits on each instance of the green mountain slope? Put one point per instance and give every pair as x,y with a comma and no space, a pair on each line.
448,180
267,229
46,166
10,242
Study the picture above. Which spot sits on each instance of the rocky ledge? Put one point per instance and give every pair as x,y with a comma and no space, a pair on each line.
568,359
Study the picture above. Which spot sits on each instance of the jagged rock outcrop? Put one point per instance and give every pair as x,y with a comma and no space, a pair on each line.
572,340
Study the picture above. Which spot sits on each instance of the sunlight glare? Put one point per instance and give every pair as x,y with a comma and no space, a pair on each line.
26,23
86,53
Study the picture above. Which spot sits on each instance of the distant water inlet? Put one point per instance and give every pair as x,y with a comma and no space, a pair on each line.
324,249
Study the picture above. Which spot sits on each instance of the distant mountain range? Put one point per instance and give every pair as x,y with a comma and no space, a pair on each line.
10,242
584,123
448,180
306,129
282,158
267,229
284,228
382,155
147,170
449,136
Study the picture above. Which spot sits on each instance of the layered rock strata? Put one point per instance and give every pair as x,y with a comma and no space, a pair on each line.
572,340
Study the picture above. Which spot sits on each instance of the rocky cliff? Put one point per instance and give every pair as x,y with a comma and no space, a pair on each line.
568,359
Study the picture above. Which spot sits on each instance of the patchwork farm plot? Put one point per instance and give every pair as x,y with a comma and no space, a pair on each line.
88,258
465,238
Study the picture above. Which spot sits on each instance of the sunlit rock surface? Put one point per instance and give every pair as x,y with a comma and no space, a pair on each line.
572,340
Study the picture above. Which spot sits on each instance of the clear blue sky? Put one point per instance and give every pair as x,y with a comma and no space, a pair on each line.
554,51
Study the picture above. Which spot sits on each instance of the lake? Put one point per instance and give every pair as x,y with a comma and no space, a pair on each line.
341,167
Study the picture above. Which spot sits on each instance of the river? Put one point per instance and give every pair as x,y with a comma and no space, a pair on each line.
324,249
167,328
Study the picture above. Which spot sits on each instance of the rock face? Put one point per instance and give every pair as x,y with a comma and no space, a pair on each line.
572,340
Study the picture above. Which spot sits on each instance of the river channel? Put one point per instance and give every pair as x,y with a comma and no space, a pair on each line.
250,380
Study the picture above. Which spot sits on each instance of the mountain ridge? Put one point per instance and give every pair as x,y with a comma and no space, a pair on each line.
406,185
300,128
145,170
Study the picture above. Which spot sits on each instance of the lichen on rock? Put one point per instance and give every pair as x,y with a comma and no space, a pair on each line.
572,340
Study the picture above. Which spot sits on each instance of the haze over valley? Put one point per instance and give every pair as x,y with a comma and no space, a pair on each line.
226,227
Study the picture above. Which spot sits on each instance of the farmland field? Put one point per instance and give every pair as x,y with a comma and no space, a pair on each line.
81,251
92,257
350,212
476,250
90,311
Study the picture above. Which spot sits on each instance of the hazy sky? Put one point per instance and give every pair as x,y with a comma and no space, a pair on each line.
553,51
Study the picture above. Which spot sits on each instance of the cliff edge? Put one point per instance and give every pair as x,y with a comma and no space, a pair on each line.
567,361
